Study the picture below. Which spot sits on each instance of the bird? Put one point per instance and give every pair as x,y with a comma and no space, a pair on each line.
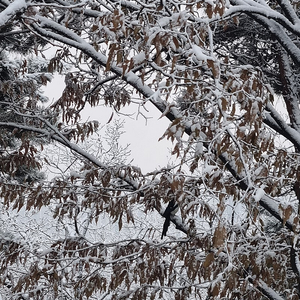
171,210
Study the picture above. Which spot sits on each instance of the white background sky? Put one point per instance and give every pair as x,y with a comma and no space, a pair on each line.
142,135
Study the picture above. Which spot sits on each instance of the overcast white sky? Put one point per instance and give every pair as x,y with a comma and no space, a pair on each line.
142,135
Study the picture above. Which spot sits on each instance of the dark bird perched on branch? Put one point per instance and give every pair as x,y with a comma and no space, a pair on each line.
171,210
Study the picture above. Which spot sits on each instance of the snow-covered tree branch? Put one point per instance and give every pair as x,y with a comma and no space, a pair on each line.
225,74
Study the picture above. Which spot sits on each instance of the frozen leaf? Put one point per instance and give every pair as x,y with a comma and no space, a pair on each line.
219,236
208,260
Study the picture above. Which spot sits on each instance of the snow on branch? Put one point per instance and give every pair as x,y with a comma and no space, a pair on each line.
53,30
292,134
275,22
255,8
55,135
12,10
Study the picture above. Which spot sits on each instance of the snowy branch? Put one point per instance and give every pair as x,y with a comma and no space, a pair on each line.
52,30
12,10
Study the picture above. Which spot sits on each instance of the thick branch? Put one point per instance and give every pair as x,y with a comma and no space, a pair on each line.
288,10
75,41
265,289
290,133
11,11
55,135
280,35
290,91
263,12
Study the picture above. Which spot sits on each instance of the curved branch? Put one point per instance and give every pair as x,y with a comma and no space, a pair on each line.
57,136
289,90
265,289
254,8
68,37
288,11
12,10
280,35
290,133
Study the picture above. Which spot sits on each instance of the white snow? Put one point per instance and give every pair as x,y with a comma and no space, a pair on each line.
164,21
11,10
259,193
199,53
269,291
139,58
199,148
